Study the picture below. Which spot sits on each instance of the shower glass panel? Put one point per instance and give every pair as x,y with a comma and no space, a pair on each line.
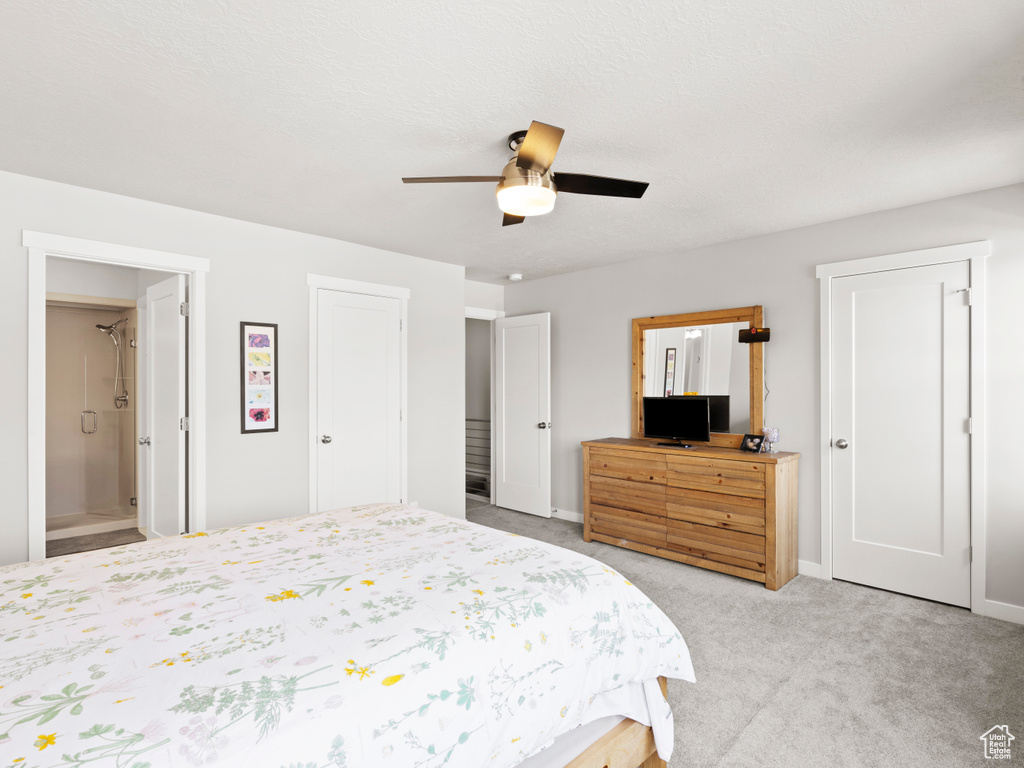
90,418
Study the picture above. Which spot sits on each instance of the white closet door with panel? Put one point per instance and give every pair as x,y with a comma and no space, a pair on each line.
522,452
359,451
901,451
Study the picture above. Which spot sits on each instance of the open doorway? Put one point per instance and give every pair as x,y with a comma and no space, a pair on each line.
95,406
478,412
118,398
480,405
91,423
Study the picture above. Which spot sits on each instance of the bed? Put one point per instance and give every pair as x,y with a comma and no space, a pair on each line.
383,635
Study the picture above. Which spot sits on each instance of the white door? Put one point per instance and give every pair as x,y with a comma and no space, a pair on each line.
359,440
142,415
900,446
522,432
163,478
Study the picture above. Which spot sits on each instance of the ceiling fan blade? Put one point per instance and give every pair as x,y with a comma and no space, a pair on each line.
447,179
582,184
508,219
538,149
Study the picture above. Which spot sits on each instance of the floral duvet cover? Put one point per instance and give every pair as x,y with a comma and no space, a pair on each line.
382,635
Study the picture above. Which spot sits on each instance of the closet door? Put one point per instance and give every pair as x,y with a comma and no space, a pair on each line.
901,449
359,441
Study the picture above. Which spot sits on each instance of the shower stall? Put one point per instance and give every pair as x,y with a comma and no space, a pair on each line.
91,426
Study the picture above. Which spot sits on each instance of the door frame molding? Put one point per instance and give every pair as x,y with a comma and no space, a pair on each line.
344,285
974,254
479,313
41,246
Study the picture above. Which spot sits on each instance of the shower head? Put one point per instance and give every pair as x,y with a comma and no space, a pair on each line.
109,329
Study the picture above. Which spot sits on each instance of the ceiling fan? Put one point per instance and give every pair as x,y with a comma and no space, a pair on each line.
527,185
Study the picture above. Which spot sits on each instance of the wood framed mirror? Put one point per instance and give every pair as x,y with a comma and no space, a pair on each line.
699,353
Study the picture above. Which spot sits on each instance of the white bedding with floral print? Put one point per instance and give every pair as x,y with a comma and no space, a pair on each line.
383,635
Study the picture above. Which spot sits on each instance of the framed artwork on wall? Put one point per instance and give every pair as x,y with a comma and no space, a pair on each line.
670,371
259,377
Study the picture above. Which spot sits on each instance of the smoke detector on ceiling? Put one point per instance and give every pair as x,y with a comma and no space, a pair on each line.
515,277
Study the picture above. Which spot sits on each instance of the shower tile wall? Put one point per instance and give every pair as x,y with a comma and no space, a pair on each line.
88,473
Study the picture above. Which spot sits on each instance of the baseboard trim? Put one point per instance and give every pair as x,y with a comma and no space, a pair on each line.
1002,611
807,568
565,514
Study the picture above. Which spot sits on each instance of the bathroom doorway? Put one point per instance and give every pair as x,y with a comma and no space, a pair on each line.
97,431
91,422
171,461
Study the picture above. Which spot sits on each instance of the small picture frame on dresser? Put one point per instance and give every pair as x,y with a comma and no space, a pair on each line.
752,443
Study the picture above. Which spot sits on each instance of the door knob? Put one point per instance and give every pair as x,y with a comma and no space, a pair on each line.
144,441
840,443
544,425
325,439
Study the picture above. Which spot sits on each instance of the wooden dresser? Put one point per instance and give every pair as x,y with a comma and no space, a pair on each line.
717,508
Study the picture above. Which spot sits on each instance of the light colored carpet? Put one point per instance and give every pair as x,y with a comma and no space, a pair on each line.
820,673
62,547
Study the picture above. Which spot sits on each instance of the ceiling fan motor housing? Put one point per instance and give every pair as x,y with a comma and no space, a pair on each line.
525,192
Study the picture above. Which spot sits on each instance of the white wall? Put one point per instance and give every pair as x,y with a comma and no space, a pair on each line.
91,279
592,310
257,273
485,295
88,278
478,369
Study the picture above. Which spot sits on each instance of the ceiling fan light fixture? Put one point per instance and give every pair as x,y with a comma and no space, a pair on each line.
527,185
525,192
526,200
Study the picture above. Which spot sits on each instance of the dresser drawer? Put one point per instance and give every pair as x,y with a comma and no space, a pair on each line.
732,547
718,510
738,478
628,465
628,494
627,524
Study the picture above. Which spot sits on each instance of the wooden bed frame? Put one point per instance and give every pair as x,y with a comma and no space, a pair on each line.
628,745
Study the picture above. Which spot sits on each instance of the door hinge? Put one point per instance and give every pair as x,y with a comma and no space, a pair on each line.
970,553
969,424
133,343
184,309
969,296
185,424
401,325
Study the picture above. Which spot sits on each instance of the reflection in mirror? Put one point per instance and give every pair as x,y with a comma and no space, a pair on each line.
700,360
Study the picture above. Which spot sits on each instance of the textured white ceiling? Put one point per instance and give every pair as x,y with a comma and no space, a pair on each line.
745,117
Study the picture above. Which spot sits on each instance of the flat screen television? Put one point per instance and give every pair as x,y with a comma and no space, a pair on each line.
677,418
719,405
